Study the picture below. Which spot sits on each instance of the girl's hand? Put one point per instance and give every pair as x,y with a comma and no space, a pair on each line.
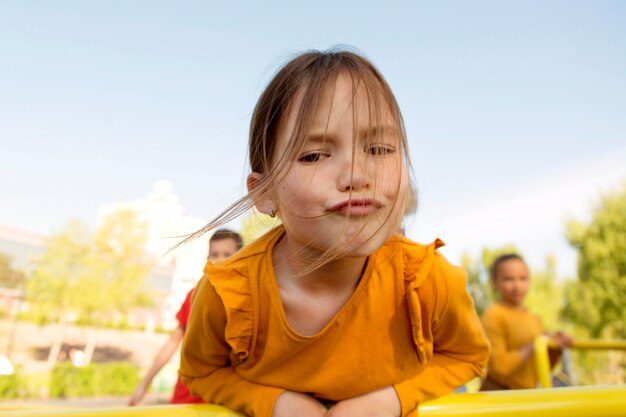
138,395
380,403
562,339
290,404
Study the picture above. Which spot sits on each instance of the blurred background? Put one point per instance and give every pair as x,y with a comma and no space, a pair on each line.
123,126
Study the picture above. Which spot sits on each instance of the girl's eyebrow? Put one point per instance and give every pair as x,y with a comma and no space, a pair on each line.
322,137
379,131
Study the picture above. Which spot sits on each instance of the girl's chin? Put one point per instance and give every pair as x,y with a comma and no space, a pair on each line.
361,247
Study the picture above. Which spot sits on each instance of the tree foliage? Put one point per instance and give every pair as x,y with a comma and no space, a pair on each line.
91,275
118,266
50,291
596,299
477,284
545,296
10,277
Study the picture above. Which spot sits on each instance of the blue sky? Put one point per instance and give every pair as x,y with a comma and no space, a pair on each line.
514,110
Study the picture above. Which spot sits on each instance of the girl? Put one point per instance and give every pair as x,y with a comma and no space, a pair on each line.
331,313
512,329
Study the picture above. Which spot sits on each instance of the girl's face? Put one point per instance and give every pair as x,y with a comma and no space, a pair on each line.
345,191
512,282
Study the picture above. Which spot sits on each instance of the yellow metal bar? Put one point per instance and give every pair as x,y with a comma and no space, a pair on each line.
204,410
594,344
542,362
596,401
599,344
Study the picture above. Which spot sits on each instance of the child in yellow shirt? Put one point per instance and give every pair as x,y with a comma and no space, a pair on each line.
331,313
511,329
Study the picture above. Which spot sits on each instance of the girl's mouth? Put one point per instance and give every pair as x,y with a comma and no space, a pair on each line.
356,207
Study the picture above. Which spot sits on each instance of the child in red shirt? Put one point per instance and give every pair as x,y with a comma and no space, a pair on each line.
222,244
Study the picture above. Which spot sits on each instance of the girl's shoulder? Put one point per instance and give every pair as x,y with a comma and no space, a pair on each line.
230,290
234,280
430,280
421,262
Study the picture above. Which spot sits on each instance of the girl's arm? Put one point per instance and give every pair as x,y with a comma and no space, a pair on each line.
460,347
380,403
163,357
205,367
291,404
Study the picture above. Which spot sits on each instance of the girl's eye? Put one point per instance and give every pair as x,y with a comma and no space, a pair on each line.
380,150
312,157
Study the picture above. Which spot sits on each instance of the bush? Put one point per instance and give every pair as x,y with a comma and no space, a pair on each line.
10,386
116,378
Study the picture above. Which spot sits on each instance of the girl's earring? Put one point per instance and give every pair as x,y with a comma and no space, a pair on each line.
270,212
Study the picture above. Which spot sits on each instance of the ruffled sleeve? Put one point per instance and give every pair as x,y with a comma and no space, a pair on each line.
447,333
220,334
417,265
234,289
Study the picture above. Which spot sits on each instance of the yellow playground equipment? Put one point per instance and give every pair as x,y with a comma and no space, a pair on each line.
542,361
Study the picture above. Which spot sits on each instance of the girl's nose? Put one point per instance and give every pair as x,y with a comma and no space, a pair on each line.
353,175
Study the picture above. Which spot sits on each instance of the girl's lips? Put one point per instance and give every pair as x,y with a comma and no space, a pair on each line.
356,207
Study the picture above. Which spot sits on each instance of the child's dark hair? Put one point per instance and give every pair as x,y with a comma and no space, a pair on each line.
221,234
502,259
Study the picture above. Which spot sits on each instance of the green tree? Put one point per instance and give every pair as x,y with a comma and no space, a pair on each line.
117,268
596,299
51,291
545,296
477,283
9,277
89,277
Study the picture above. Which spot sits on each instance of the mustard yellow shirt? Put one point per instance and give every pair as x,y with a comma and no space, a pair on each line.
508,329
410,323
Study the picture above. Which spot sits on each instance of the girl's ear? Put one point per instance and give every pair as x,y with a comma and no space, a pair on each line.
261,195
